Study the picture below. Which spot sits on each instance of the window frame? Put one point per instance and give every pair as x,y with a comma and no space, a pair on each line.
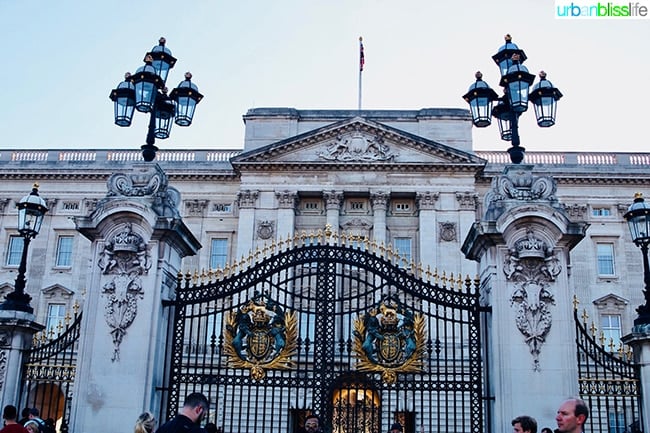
213,256
58,253
16,242
603,260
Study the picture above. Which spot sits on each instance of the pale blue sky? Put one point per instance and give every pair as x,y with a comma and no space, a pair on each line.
60,60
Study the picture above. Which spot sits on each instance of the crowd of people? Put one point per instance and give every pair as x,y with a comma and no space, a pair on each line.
571,417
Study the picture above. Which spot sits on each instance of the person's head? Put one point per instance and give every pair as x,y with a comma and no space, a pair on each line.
33,413
195,407
10,413
312,424
210,427
396,428
25,413
32,426
145,423
523,424
571,416
547,430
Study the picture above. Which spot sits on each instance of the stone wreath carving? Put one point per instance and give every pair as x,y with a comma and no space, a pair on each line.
447,231
532,266
126,258
265,229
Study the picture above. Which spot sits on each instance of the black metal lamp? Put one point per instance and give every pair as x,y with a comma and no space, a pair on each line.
146,92
162,59
186,96
124,100
516,82
31,210
638,220
480,97
544,98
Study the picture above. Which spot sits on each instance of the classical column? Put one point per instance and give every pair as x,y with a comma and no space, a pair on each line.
286,213
426,202
379,201
246,201
333,200
17,329
138,241
522,244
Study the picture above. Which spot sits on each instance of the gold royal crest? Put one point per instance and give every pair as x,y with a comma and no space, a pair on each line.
261,336
389,340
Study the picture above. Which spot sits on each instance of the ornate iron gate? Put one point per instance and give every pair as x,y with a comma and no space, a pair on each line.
608,381
49,373
340,327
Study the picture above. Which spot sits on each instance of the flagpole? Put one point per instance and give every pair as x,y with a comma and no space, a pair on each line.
361,62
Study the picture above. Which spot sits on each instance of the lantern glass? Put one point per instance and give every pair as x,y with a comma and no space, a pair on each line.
164,118
638,220
186,96
518,95
505,130
145,96
124,103
31,210
545,111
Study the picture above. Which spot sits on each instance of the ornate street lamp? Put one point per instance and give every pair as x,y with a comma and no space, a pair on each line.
638,220
145,91
31,210
516,82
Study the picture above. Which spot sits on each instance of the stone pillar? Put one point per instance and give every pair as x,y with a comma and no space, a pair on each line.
639,341
17,329
245,231
138,241
379,201
286,213
522,244
426,202
333,200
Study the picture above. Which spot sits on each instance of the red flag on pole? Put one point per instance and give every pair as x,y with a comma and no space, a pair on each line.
362,60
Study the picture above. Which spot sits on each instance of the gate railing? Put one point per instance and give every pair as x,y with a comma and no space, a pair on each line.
608,381
321,290
49,372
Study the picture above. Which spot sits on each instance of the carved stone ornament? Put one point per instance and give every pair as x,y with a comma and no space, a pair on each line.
333,199
196,207
265,229
261,335
5,339
357,147
247,199
145,181
379,200
576,211
356,224
532,266
427,200
447,231
390,339
467,200
286,199
517,185
125,257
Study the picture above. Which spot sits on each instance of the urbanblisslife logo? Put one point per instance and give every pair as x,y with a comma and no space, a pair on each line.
568,9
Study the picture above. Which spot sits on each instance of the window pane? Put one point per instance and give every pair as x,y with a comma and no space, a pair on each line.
611,326
403,247
55,316
64,251
15,250
605,254
219,253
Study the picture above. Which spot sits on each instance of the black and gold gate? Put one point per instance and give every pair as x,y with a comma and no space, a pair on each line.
336,326
608,381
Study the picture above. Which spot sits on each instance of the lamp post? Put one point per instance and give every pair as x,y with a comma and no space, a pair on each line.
31,210
145,91
515,80
638,220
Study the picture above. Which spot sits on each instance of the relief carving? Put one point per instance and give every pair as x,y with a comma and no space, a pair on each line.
286,199
532,266
247,199
357,147
467,200
126,258
447,231
427,200
196,207
3,368
265,229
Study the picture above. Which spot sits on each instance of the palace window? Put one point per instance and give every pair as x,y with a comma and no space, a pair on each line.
219,253
64,251
601,211
610,324
222,207
14,254
403,248
605,258
55,319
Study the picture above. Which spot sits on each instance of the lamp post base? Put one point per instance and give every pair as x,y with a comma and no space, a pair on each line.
516,154
17,302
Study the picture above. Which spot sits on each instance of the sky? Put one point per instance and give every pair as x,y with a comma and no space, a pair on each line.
60,60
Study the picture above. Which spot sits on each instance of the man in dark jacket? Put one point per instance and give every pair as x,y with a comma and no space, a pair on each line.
189,419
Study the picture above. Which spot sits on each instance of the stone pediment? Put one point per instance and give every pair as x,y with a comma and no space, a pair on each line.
356,141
